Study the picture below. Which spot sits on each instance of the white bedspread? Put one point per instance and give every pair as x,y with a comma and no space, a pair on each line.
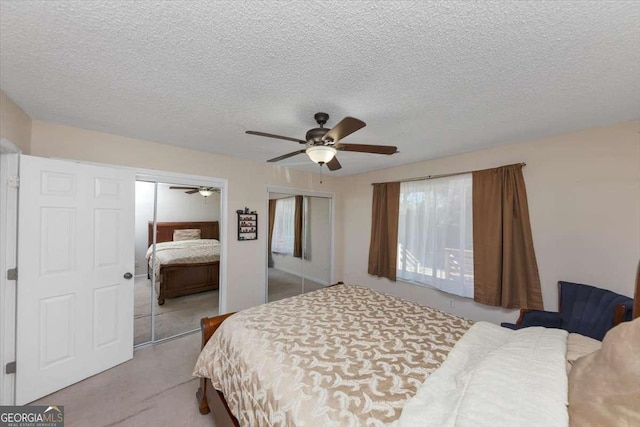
496,377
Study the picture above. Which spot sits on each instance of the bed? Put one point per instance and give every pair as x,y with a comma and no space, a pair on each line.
177,274
477,374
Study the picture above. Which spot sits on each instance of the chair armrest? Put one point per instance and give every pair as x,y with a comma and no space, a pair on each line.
548,319
521,317
622,312
513,326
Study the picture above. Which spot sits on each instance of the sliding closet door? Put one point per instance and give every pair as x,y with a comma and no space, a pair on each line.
316,271
285,246
177,259
143,294
299,246
187,278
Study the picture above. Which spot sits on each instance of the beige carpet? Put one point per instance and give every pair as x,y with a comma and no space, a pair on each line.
284,285
155,389
175,316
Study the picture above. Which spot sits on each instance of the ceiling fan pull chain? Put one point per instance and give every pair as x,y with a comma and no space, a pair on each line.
320,164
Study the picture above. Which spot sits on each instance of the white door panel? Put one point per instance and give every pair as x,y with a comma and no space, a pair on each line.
75,243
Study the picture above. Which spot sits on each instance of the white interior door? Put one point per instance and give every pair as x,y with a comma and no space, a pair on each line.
75,244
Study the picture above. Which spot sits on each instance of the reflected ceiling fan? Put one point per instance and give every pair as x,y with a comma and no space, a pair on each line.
204,191
322,143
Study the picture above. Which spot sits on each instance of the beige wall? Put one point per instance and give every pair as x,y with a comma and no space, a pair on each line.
583,187
584,201
15,124
247,187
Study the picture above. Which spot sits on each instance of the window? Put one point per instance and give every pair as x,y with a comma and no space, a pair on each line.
283,226
435,234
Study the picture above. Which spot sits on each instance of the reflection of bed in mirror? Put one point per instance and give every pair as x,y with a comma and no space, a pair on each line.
185,267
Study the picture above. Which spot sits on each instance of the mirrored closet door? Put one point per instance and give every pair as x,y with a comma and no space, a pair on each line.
177,259
299,246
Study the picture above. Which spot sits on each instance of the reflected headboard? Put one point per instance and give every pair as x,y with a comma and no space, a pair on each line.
208,230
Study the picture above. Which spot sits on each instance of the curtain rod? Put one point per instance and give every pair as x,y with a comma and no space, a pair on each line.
443,175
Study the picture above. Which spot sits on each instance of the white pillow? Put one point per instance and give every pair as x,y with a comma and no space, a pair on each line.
186,234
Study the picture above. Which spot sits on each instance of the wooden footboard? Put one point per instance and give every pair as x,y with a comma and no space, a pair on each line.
208,326
187,279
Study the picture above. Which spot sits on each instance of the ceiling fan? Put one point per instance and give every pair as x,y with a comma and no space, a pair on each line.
204,191
322,143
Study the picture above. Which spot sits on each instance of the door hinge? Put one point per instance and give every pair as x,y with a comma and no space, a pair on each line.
12,274
10,368
14,181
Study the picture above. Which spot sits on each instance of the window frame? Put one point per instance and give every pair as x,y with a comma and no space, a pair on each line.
453,264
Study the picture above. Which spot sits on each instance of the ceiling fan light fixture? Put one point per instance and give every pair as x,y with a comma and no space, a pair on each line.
321,153
205,192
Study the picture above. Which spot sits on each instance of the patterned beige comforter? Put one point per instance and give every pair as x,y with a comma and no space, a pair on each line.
183,252
341,356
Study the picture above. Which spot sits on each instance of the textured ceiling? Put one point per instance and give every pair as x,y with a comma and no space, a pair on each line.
433,78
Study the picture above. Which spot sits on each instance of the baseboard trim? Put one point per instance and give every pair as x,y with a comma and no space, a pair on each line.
298,274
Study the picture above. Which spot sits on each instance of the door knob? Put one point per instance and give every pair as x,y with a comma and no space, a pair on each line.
127,276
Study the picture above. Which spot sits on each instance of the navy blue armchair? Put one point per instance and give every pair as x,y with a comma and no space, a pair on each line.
584,309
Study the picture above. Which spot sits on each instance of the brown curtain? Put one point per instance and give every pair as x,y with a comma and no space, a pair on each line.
272,220
297,236
505,267
383,248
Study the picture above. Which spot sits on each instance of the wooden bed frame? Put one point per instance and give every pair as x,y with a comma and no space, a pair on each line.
210,399
185,279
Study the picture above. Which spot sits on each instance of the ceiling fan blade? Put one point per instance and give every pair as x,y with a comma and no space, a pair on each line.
270,135
334,164
364,148
346,127
286,156
192,191
183,188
